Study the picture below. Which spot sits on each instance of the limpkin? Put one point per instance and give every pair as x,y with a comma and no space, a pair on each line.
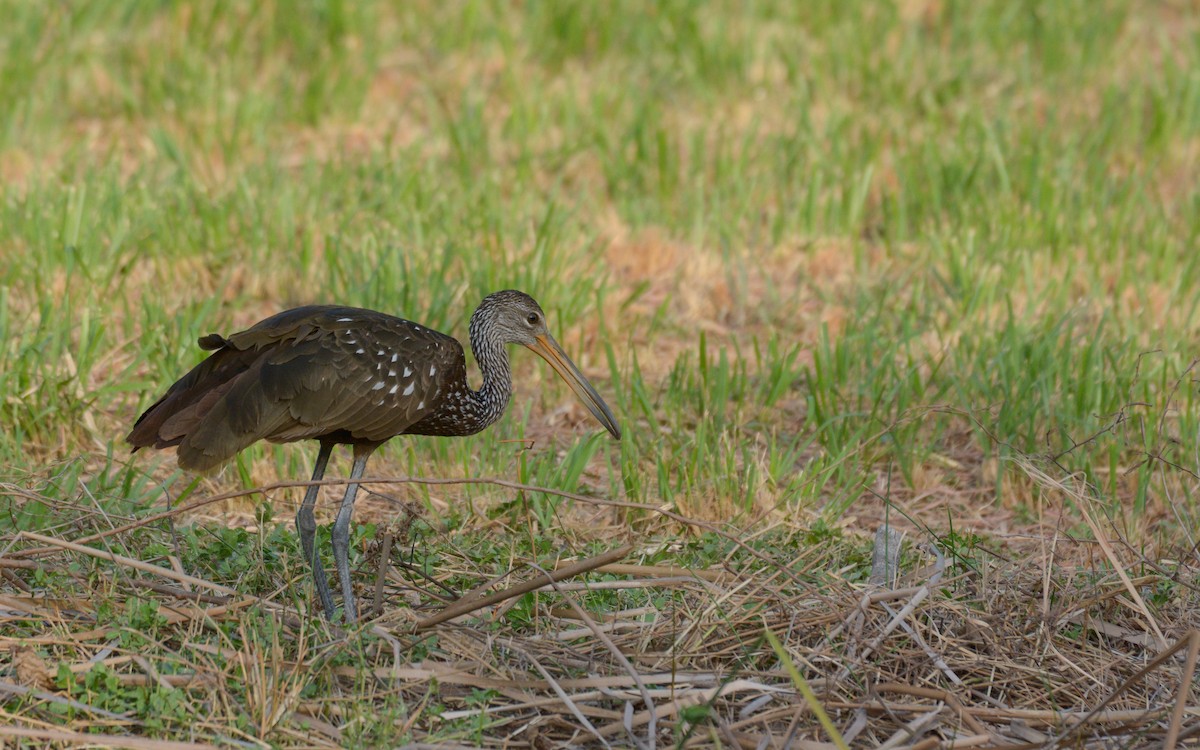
348,376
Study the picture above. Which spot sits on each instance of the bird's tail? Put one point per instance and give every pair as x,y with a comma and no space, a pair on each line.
211,413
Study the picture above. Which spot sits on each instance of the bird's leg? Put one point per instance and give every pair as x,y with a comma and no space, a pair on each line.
341,528
306,526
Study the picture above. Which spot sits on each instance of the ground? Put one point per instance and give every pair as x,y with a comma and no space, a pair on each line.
926,265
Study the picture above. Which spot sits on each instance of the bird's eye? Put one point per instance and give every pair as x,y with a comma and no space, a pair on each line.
533,319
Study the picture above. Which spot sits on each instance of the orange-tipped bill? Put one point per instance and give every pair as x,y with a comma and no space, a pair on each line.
548,349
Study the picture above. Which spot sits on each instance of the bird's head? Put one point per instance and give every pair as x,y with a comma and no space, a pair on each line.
516,318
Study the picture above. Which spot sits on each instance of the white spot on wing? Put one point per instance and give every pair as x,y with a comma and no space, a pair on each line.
409,390
380,353
360,351
407,371
432,371
391,373
345,320
393,389
395,357
378,385
421,405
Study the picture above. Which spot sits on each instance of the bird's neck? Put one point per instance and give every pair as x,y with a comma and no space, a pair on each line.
492,397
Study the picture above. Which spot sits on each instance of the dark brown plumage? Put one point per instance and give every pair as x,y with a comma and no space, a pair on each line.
345,375
356,375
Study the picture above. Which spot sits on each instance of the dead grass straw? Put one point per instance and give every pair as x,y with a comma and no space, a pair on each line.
985,649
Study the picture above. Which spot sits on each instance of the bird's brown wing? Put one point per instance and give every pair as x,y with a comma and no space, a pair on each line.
356,375
191,395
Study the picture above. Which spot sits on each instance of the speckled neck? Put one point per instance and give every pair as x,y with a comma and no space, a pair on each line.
487,404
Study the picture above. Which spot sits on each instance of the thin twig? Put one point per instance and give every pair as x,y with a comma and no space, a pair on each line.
263,490
385,554
466,606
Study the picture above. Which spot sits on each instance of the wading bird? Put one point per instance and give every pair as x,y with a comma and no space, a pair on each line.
348,376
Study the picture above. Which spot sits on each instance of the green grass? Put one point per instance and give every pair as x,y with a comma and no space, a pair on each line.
806,250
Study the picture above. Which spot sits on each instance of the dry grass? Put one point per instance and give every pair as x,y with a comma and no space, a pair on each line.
1019,644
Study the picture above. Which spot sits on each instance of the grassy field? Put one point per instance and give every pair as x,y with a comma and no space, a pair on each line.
921,262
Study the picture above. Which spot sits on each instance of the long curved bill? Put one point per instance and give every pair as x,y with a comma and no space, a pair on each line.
548,349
